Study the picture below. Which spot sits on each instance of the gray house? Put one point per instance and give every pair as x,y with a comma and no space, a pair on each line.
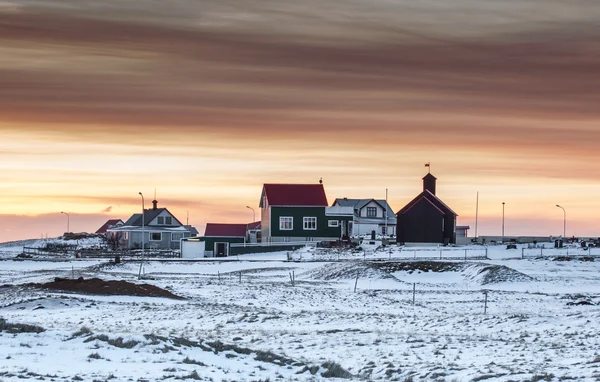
161,230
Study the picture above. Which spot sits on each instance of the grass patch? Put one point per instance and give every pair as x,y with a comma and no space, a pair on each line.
118,342
335,370
19,328
190,361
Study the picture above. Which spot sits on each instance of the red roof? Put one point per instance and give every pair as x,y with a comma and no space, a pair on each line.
295,195
225,230
109,224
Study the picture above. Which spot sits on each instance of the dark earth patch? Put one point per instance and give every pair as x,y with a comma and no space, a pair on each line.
106,287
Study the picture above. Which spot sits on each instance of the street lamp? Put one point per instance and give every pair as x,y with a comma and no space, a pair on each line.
142,261
68,219
564,221
503,222
253,214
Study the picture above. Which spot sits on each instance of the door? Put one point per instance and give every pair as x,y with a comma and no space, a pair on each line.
221,249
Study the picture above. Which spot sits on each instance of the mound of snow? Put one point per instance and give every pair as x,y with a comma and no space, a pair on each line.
493,274
348,270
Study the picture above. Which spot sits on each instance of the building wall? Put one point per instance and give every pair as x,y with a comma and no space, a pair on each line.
365,229
265,224
421,224
135,240
192,249
211,240
298,232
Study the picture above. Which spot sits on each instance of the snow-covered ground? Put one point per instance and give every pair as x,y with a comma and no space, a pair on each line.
245,321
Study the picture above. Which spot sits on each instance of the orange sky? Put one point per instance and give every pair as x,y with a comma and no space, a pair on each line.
205,101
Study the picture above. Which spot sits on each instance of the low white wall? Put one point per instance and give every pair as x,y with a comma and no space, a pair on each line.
192,249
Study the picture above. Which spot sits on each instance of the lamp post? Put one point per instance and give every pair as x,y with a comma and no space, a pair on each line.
253,214
142,260
68,219
503,222
564,221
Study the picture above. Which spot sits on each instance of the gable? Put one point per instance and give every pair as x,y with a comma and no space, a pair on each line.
431,198
160,218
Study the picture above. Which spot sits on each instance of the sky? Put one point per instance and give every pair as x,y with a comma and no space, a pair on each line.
204,101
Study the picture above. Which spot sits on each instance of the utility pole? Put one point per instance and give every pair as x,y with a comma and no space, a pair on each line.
503,222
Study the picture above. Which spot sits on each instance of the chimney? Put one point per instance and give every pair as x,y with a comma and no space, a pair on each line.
154,204
429,183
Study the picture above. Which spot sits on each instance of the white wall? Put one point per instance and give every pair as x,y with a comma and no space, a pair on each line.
192,249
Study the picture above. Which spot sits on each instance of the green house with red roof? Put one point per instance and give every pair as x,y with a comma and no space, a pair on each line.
299,213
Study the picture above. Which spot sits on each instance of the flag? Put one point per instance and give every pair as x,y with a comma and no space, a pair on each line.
427,164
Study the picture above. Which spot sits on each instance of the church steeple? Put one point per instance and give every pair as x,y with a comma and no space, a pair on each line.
429,183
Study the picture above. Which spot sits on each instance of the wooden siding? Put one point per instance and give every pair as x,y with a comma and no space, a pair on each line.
298,213
421,224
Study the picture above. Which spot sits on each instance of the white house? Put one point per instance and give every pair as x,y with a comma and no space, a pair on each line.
370,215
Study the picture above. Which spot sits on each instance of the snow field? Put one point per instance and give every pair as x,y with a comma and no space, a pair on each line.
376,333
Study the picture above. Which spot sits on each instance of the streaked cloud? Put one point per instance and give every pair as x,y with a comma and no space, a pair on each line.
208,100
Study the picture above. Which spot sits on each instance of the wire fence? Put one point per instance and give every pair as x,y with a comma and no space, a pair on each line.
567,252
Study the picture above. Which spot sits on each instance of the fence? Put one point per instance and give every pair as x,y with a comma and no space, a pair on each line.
66,250
72,251
531,253
394,253
246,248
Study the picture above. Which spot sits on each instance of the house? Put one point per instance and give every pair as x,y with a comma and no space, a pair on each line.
300,212
109,224
160,230
370,215
426,219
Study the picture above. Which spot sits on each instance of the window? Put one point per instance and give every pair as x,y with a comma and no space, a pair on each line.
310,223
160,220
286,223
371,212
384,230
168,220
176,236
333,223
155,236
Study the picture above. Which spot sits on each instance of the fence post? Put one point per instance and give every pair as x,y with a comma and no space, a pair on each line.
486,253
415,254
356,281
440,254
219,276
542,251
567,251
414,290
485,293
240,277
523,253
465,254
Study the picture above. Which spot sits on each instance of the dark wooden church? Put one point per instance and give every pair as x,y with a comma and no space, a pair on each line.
426,219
